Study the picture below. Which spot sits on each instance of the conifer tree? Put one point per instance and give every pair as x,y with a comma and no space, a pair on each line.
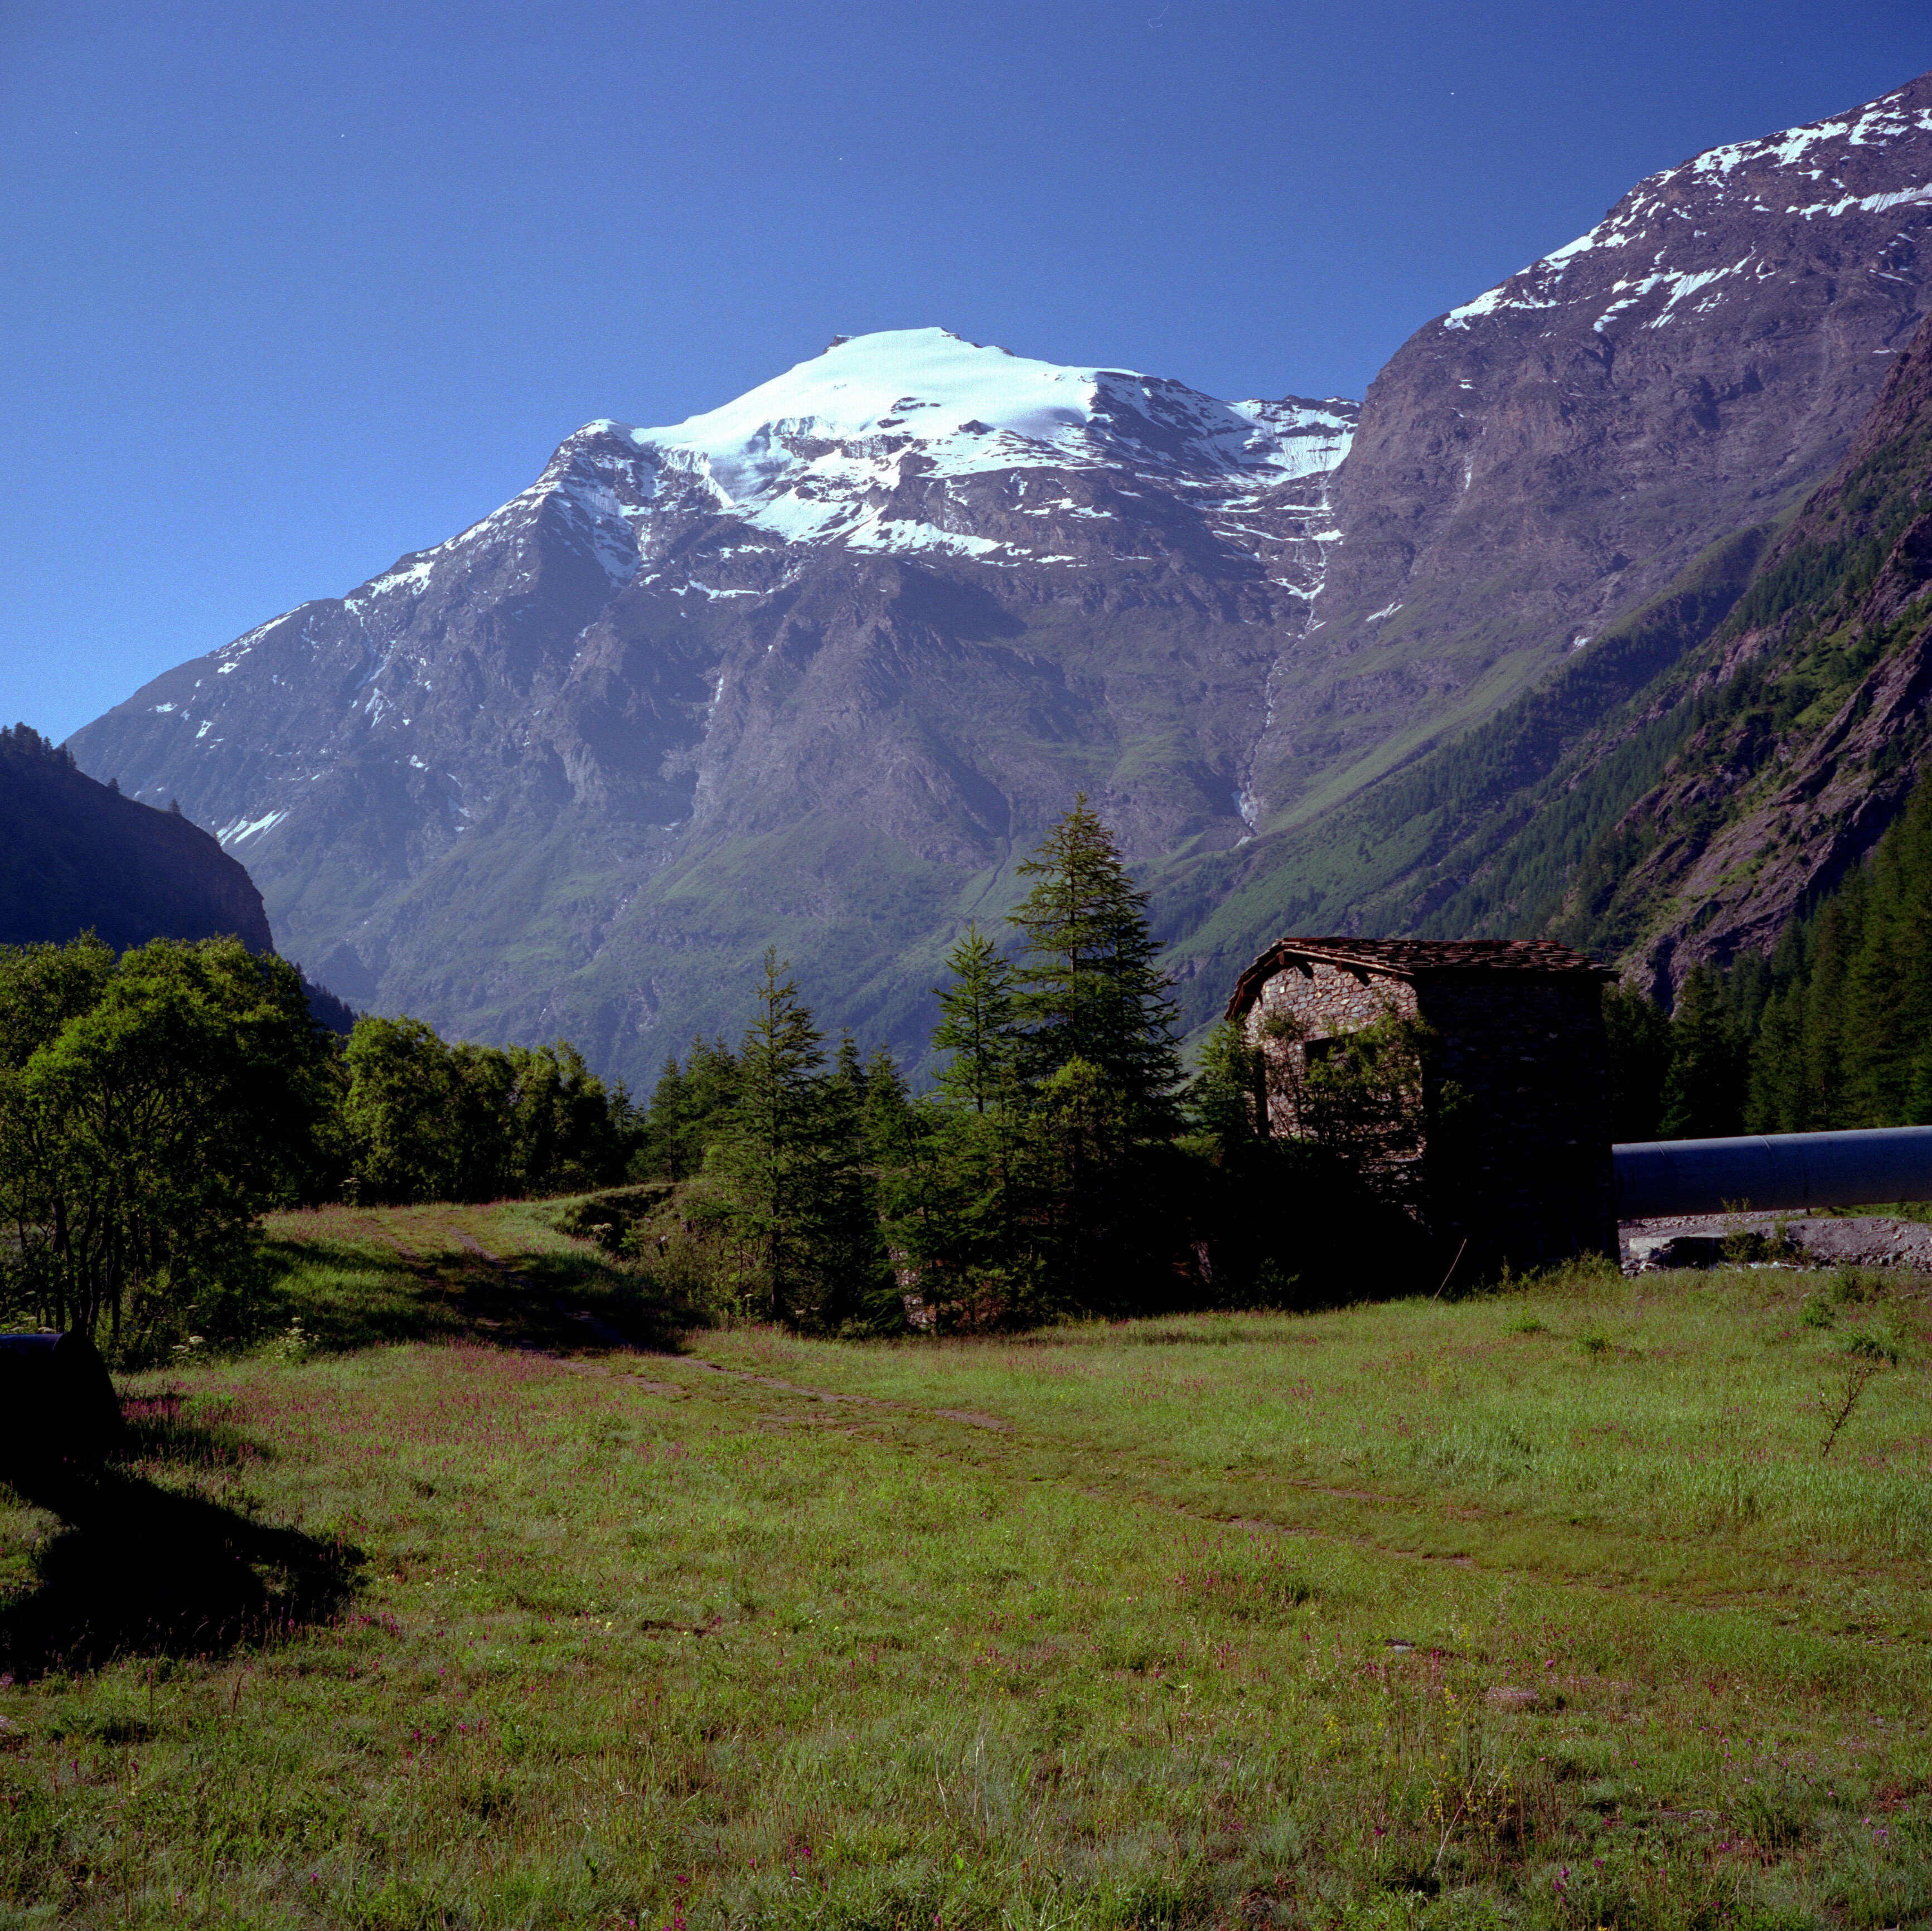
1097,1062
1637,1038
793,1158
1704,1091
890,1116
975,1023
1887,988
776,1152
690,1109
1776,1100
663,1120
962,1190
1819,1000
712,1078
1089,990
844,1250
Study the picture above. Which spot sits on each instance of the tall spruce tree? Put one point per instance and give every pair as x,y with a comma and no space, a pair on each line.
776,1152
976,1023
1088,989
1097,1059
954,1187
803,1192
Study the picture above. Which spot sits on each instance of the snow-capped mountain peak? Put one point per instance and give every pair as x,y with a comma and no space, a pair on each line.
901,384
969,408
901,440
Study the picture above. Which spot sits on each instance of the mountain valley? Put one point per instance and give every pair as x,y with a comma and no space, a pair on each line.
817,668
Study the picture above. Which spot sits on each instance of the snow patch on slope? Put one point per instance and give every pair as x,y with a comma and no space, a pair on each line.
1734,175
1882,121
241,828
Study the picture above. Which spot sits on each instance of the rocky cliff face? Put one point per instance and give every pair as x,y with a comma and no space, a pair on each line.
1538,462
77,856
811,670
1818,709
1681,789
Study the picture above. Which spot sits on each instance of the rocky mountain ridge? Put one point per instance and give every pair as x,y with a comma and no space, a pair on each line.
1686,788
815,668
1538,464
1818,711
754,675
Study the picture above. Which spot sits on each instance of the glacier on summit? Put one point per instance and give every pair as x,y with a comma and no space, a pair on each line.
819,453
969,408
888,442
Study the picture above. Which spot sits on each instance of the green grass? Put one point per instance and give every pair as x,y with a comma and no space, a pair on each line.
1542,1609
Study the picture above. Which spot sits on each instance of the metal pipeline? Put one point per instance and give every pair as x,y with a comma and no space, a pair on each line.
1769,1173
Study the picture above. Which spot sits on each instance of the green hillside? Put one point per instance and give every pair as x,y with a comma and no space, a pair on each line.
1680,791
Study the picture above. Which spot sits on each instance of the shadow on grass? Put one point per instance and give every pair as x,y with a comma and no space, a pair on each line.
376,1291
142,1570
576,1303
154,1427
350,1294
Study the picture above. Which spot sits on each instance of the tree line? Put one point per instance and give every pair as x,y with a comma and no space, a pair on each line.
1028,1180
1060,1163
154,1105
1833,1030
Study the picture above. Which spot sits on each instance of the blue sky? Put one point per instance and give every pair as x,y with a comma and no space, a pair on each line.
293,288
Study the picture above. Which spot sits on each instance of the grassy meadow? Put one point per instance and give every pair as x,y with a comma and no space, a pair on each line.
480,1595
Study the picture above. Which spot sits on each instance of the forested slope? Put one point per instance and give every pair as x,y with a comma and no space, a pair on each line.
1683,788
1840,1017
1479,838
1805,722
1832,1031
77,855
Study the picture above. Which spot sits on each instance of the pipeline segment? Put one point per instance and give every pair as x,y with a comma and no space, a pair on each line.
1771,1173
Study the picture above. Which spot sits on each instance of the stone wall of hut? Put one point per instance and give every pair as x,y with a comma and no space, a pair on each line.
1525,1175
1319,1002
1518,1074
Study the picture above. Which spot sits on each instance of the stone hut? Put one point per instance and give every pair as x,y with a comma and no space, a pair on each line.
1517,1025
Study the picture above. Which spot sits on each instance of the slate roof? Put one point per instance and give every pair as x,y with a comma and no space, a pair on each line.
1416,958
